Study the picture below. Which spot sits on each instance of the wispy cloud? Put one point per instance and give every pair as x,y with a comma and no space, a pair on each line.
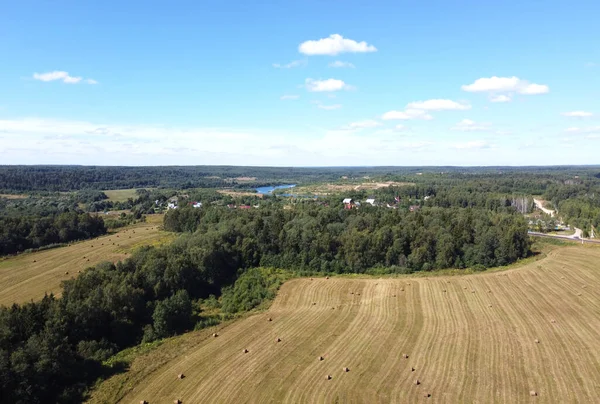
500,98
334,45
505,85
326,85
407,114
467,125
292,64
438,105
577,114
62,76
289,97
340,64
475,144
330,107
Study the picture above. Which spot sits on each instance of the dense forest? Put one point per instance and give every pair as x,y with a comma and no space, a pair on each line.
73,178
25,232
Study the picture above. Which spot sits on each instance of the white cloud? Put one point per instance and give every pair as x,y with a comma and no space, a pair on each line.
505,85
475,144
575,129
330,107
289,97
340,64
292,64
334,45
326,85
467,125
407,114
500,98
577,114
370,123
61,75
438,105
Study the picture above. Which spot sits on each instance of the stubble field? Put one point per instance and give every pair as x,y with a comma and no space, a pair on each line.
29,276
493,337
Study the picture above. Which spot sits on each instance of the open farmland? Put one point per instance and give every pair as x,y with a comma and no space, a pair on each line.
120,195
492,337
29,276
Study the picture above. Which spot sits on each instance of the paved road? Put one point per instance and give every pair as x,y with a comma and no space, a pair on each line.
571,238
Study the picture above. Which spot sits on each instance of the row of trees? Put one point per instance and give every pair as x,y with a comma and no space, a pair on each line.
25,232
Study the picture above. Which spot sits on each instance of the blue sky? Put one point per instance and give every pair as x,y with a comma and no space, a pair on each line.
303,83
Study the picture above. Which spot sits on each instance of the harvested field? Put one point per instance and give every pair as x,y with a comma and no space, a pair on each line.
121,195
329,189
14,196
422,345
29,276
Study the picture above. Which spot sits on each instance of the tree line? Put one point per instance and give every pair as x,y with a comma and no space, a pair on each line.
26,232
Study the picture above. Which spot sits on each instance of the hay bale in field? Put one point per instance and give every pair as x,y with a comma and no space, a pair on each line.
533,393
464,287
129,236
67,273
143,402
176,401
417,382
321,358
326,277
34,261
329,377
346,369
278,339
102,244
180,376
351,293
92,246
553,321
79,271
405,356
412,369
427,395
88,260
402,290
215,335
489,305
113,243
269,319
393,295
314,303
245,350
444,290
537,341
84,257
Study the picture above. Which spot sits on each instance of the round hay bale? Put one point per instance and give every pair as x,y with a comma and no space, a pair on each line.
278,339
346,369
176,401
329,377
326,277
321,358
245,350
444,290
427,395
215,335
180,376
92,246
314,303
464,287
533,393
393,295
412,369
102,244
417,382
34,261
67,273
88,260
143,402
84,257
489,305
351,293
402,290
79,271
311,279
405,356
553,321
537,341
269,319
